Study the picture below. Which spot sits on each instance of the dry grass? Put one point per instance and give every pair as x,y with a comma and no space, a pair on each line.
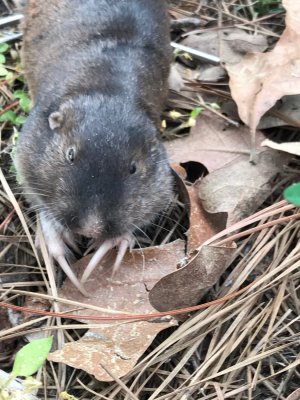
244,348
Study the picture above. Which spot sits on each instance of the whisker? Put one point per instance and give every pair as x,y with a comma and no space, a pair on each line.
160,227
141,250
174,221
31,194
143,232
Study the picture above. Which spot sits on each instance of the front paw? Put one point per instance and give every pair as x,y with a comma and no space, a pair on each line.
56,238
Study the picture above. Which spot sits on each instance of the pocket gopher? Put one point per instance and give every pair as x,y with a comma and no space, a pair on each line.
89,155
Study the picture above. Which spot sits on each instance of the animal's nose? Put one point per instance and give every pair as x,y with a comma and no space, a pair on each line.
111,227
91,226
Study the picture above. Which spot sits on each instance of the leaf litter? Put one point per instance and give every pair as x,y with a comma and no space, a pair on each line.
206,355
260,79
118,346
231,45
213,142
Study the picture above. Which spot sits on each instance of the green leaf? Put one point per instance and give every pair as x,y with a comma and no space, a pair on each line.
31,357
20,120
8,116
196,111
292,194
19,94
3,70
12,169
10,77
2,59
25,102
3,47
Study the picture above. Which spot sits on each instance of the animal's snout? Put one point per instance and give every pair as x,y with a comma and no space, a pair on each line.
112,228
91,226
94,227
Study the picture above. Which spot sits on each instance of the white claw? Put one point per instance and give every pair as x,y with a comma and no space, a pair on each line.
123,243
70,241
70,274
56,238
92,246
97,257
123,246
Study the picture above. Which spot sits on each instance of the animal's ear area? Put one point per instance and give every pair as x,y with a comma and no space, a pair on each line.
56,120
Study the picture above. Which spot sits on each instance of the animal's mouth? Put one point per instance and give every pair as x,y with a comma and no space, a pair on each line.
122,243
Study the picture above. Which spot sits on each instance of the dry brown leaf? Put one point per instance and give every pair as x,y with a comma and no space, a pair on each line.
242,42
213,143
289,147
260,79
234,43
187,286
118,346
202,227
180,171
206,42
211,74
241,187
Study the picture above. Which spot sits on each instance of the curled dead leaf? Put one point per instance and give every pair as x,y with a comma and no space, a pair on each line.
202,226
188,285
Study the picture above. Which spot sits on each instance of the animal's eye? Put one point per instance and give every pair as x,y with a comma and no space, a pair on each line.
132,168
70,155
